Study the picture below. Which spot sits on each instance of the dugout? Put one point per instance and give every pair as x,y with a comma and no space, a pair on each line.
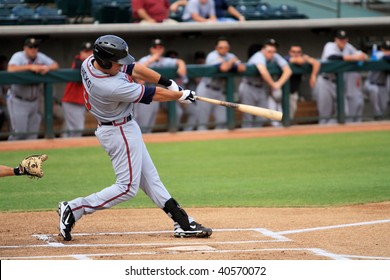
62,42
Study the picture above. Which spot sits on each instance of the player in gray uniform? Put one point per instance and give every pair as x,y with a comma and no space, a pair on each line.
224,61
146,114
252,90
22,100
377,85
110,95
325,92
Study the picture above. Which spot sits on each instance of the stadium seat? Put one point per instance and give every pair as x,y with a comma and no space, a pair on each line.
11,3
26,15
6,17
111,11
50,15
75,8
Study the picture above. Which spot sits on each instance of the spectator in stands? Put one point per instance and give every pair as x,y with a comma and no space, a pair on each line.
199,11
224,61
3,92
340,50
296,56
73,100
151,11
253,91
377,85
146,114
22,100
222,10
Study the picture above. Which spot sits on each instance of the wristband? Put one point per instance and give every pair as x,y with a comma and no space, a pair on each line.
164,81
17,171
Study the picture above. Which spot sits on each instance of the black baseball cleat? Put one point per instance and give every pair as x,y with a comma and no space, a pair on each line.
195,230
67,220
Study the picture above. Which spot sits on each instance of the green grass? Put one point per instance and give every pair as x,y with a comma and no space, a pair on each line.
299,171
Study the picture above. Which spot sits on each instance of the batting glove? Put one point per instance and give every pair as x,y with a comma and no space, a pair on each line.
188,96
174,86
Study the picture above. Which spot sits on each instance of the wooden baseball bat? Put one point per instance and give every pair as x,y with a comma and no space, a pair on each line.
253,110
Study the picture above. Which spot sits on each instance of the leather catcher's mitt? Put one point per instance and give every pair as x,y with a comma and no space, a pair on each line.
32,166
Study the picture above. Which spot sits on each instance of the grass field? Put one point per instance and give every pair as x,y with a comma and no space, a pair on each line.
299,171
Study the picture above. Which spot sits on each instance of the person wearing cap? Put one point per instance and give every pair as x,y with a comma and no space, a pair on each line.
340,50
224,61
146,114
22,100
297,57
110,95
73,99
151,11
254,90
377,84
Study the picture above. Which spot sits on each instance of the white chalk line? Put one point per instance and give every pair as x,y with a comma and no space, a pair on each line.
315,251
277,237
332,227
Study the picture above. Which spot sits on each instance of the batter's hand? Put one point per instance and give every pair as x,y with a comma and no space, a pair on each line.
174,86
188,96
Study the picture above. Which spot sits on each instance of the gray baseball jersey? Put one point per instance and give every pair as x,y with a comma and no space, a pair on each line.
252,90
28,91
326,88
212,88
194,6
22,100
110,99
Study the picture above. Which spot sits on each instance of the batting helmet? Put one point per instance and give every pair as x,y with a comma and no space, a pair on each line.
111,48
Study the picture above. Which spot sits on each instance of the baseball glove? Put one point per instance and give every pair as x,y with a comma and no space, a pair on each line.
32,166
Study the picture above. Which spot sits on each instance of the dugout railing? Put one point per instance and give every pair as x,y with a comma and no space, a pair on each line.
68,75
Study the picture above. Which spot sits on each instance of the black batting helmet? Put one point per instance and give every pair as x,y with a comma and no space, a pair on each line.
111,48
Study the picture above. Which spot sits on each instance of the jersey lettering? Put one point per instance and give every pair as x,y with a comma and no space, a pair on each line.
86,101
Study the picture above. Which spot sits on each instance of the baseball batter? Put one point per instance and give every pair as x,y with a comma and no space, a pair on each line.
110,95
22,100
252,90
340,49
224,61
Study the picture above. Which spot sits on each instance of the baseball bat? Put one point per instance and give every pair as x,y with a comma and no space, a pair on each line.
253,110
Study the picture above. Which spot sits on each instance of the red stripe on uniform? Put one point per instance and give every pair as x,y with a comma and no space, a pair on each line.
128,186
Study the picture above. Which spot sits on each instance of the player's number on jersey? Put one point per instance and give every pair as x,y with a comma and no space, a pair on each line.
86,101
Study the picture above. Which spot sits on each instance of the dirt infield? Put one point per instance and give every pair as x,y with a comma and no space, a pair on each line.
352,232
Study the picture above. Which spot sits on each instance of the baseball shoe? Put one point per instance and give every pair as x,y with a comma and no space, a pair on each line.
67,220
196,230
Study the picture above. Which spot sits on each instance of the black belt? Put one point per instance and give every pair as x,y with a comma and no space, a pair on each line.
329,79
116,123
26,99
212,87
381,85
254,85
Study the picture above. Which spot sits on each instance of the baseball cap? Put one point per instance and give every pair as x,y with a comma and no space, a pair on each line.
157,42
341,34
271,42
87,46
31,42
386,45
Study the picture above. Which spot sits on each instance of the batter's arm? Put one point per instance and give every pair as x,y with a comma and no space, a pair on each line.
141,72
